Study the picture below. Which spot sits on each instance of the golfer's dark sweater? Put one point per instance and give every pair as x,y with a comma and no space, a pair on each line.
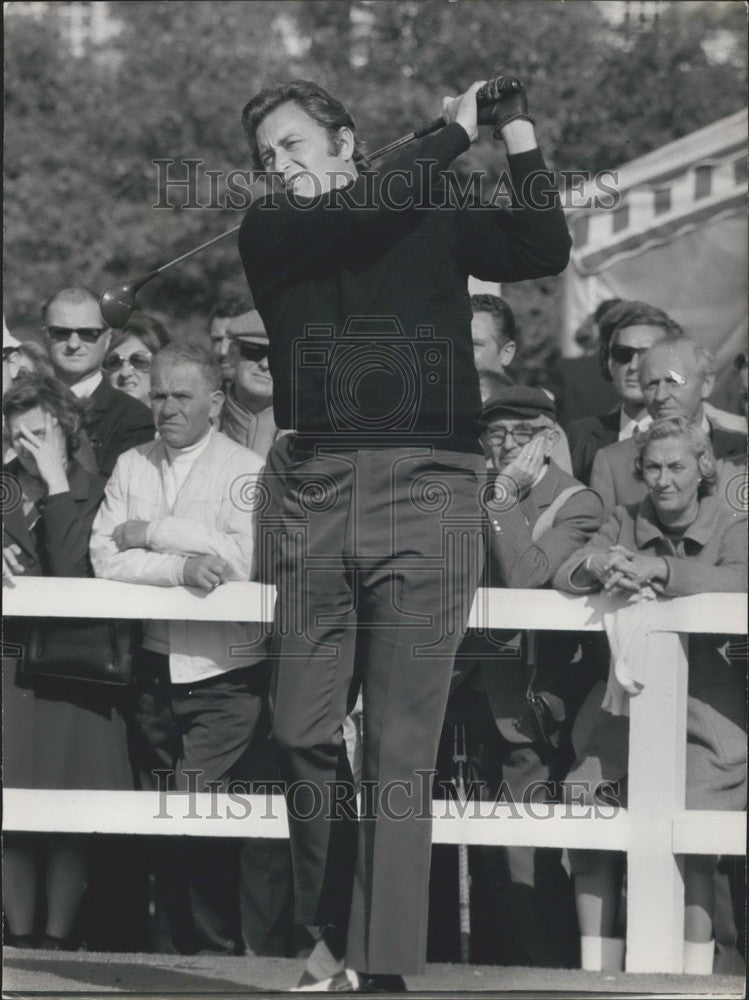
367,308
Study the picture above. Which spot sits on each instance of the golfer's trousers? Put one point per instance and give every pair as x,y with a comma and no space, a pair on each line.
380,553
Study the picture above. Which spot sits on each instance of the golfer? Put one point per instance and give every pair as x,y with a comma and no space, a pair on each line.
360,277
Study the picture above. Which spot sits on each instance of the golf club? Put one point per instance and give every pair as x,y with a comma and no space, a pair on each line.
117,301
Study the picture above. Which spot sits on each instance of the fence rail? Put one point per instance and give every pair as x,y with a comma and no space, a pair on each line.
655,830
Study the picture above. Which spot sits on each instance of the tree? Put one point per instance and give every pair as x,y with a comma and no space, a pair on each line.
82,132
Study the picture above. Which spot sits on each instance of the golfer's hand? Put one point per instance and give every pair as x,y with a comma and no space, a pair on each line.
12,566
130,535
464,110
206,572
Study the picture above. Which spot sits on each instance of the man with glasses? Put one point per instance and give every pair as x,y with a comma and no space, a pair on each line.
78,340
627,330
519,691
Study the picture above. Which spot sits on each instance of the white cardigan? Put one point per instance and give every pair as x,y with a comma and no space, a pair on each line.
213,514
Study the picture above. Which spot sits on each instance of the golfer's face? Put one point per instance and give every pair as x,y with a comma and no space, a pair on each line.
301,151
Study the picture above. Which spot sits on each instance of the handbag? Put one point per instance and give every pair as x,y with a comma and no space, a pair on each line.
99,650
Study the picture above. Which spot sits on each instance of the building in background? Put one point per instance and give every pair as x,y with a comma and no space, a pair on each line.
677,239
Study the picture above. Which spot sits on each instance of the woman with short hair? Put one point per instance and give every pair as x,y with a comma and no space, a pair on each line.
683,538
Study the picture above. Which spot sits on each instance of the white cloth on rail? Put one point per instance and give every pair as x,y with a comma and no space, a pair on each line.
626,629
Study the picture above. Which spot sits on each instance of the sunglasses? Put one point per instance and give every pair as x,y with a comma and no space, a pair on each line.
520,435
88,334
623,355
252,352
139,361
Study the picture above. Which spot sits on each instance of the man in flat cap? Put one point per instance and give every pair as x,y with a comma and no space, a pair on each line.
520,690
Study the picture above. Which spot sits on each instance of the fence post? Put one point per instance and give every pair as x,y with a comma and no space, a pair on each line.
657,776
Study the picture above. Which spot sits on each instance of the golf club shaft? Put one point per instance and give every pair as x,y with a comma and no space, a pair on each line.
189,253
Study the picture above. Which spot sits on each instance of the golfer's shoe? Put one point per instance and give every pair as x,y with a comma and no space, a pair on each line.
343,981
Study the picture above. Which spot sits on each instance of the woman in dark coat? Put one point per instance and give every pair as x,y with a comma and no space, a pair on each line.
57,734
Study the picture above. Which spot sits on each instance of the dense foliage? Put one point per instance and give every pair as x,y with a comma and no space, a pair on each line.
81,131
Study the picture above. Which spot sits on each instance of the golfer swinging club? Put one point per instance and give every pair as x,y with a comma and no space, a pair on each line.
360,277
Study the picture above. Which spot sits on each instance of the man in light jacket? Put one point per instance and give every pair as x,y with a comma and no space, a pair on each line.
178,511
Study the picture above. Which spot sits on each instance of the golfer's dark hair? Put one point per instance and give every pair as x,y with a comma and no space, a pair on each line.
31,389
146,328
505,318
313,100
192,353
75,295
230,305
628,313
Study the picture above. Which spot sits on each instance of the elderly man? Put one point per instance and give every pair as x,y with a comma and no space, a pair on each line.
172,516
522,689
78,340
360,278
495,340
628,330
676,376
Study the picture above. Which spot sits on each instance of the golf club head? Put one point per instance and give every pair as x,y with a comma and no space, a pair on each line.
118,300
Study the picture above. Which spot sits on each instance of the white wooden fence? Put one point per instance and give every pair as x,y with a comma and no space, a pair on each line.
655,830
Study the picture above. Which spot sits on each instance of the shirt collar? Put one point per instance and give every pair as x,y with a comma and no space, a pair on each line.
192,452
87,386
628,425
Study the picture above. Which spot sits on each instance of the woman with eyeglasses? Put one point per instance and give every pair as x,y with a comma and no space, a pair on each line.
627,330
127,364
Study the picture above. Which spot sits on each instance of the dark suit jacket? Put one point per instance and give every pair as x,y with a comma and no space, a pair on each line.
114,423
586,437
515,560
613,473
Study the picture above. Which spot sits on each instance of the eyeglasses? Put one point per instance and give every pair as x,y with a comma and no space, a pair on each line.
140,361
88,334
623,355
252,352
520,435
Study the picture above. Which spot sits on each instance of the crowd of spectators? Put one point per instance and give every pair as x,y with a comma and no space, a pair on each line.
126,448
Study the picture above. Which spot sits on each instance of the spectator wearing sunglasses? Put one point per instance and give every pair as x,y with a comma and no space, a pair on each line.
127,365
627,329
78,340
676,376
247,416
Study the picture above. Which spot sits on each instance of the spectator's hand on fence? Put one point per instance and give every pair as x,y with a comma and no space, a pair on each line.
206,572
49,453
643,571
12,566
130,535
527,465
